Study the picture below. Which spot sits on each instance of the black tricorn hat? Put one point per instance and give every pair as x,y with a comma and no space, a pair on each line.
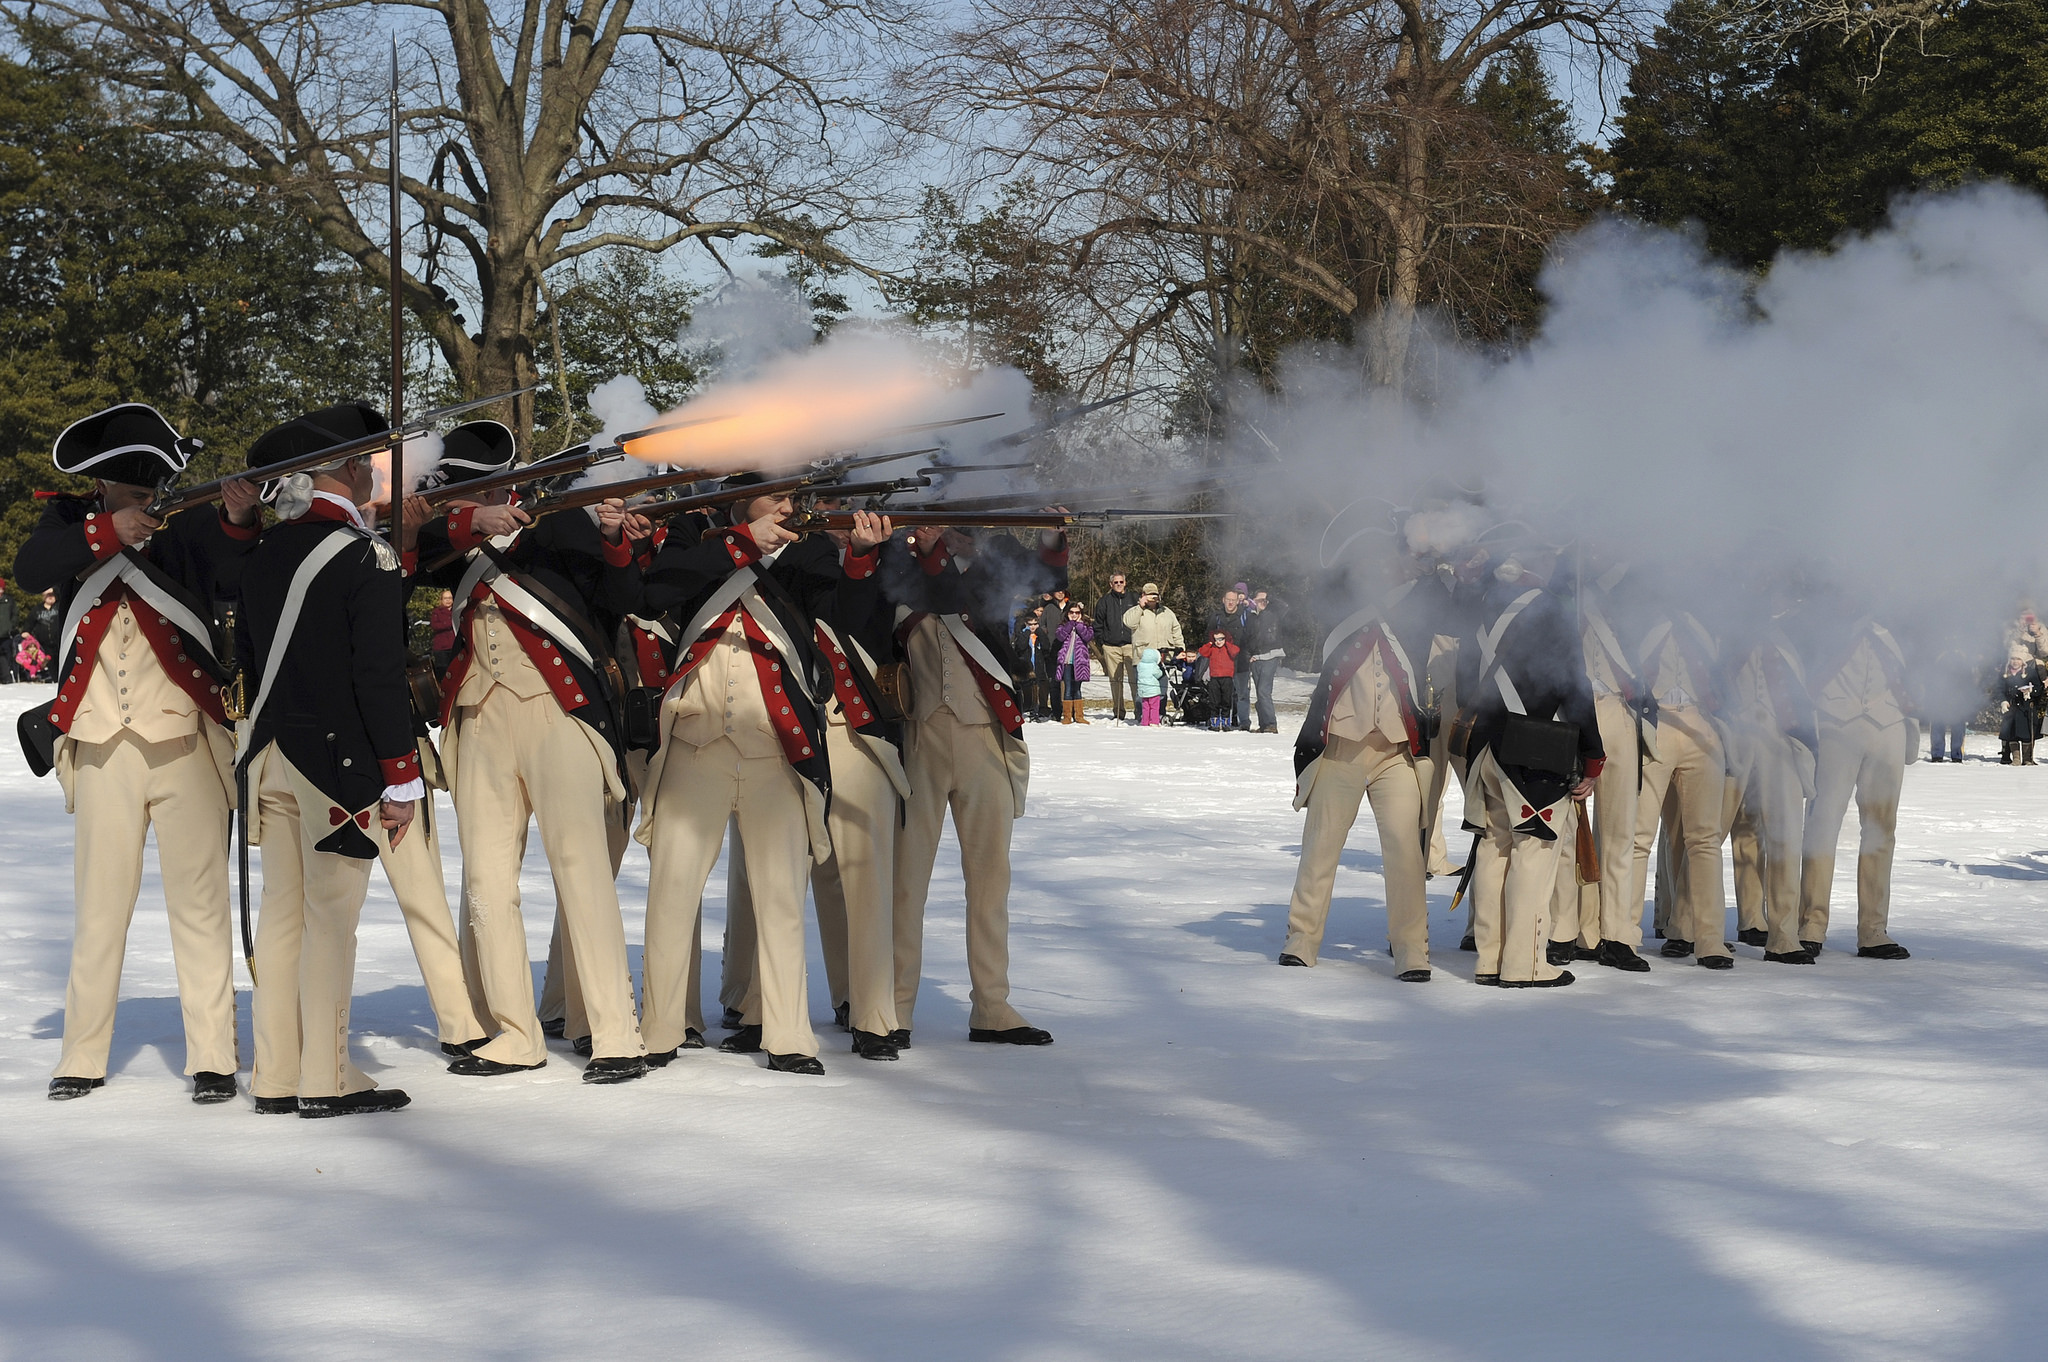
315,431
130,443
474,449
740,482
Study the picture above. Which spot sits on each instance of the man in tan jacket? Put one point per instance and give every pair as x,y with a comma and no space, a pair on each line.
1866,739
1152,625
137,734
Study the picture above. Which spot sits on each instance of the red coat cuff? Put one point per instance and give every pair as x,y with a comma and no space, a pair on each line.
100,536
741,548
409,562
400,770
1594,765
619,554
1054,554
460,534
934,559
860,566
243,532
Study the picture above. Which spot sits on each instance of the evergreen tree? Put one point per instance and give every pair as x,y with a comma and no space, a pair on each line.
134,271
1767,146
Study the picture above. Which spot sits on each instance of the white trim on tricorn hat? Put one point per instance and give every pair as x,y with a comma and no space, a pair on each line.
474,449
129,443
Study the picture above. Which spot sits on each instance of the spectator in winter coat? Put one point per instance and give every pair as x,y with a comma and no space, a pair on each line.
1035,662
1072,654
1151,624
2021,688
30,658
8,621
443,620
1235,617
1221,655
1113,637
1263,652
1151,686
46,624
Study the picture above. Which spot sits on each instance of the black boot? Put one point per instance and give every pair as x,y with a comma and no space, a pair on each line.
65,1089
795,1064
1470,943
1890,950
731,1020
209,1088
1293,960
476,1066
354,1104
1015,1035
1618,955
842,1016
615,1069
1788,957
581,1045
900,1038
1413,976
1564,979
1561,952
457,1049
1675,949
659,1059
1810,947
277,1106
555,1028
693,1039
1753,936
745,1041
1716,962
868,1045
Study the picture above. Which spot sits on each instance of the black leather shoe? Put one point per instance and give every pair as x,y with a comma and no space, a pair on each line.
1810,947
1563,979
1788,957
868,1045
900,1038
1470,943
1890,950
659,1059
615,1069
277,1106
1589,953
581,1045
555,1029
1561,952
1413,976
1486,980
693,1039
1753,936
1674,949
745,1041
209,1088
1293,960
796,1064
1716,962
731,1020
457,1049
476,1066
842,1016
1015,1035
1621,956
354,1104
64,1089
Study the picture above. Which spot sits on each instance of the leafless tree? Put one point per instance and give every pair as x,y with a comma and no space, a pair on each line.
1884,22
1328,147
534,132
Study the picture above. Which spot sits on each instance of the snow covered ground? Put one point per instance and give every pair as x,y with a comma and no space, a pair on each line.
1218,1160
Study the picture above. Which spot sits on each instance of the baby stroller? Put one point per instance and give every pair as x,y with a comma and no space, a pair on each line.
1187,691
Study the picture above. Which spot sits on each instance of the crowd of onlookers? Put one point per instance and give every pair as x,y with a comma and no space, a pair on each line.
1219,675
28,639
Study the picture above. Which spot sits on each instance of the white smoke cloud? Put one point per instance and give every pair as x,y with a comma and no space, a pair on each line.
1874,415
